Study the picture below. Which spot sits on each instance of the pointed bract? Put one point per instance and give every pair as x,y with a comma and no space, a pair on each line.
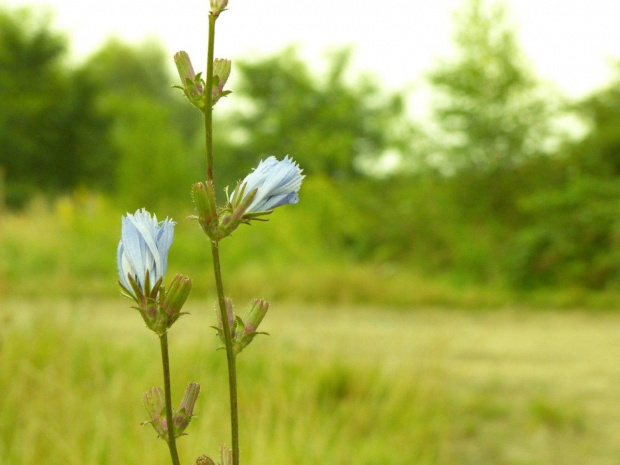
175,297
184,414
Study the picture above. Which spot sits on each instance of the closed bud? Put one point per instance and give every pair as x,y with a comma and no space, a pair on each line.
186,72
242,332
192,84
221,73
252,321
256,315
184,414
175,298
204,200
217,6
204,460
155,404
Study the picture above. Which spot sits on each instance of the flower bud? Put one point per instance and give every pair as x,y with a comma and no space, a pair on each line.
155,404
256,315
204,200
204,460
242,333
192,84
188,77
184,413
175,298
217,6
221,73
253,319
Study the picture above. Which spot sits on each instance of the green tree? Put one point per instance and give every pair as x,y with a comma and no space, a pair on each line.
46,112
328,124
598,153
572,233
148,148
488,107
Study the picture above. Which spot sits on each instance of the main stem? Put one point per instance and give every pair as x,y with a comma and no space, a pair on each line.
230,355
209,104
172,445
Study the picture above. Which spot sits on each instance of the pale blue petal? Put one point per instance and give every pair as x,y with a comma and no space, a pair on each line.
143,247
133,244
164,241
122,269
277,183
150,254
283,199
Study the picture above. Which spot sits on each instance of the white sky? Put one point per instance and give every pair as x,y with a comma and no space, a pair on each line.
569,41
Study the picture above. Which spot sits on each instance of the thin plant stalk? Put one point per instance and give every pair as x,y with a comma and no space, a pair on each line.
209,105
230,355
172,445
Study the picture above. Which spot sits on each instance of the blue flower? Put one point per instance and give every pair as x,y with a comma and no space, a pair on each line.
143,248
277,183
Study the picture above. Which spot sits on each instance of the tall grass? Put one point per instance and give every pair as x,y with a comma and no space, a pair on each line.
72,375
337,386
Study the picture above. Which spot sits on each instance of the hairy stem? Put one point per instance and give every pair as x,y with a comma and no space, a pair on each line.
172,445
230,355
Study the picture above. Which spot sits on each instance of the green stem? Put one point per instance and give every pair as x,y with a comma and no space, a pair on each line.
172,445
209,104
230,355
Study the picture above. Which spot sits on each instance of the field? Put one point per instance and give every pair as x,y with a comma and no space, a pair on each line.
345,385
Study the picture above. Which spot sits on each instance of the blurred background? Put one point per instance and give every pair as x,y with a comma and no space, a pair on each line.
456,242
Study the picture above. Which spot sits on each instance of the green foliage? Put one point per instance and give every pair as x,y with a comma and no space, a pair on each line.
483,199
150,157
572,234
46,114
327,123
112,123
127,71
489,106
598,154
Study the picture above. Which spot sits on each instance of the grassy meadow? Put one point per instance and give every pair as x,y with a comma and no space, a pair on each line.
366,363
445,293
335,386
